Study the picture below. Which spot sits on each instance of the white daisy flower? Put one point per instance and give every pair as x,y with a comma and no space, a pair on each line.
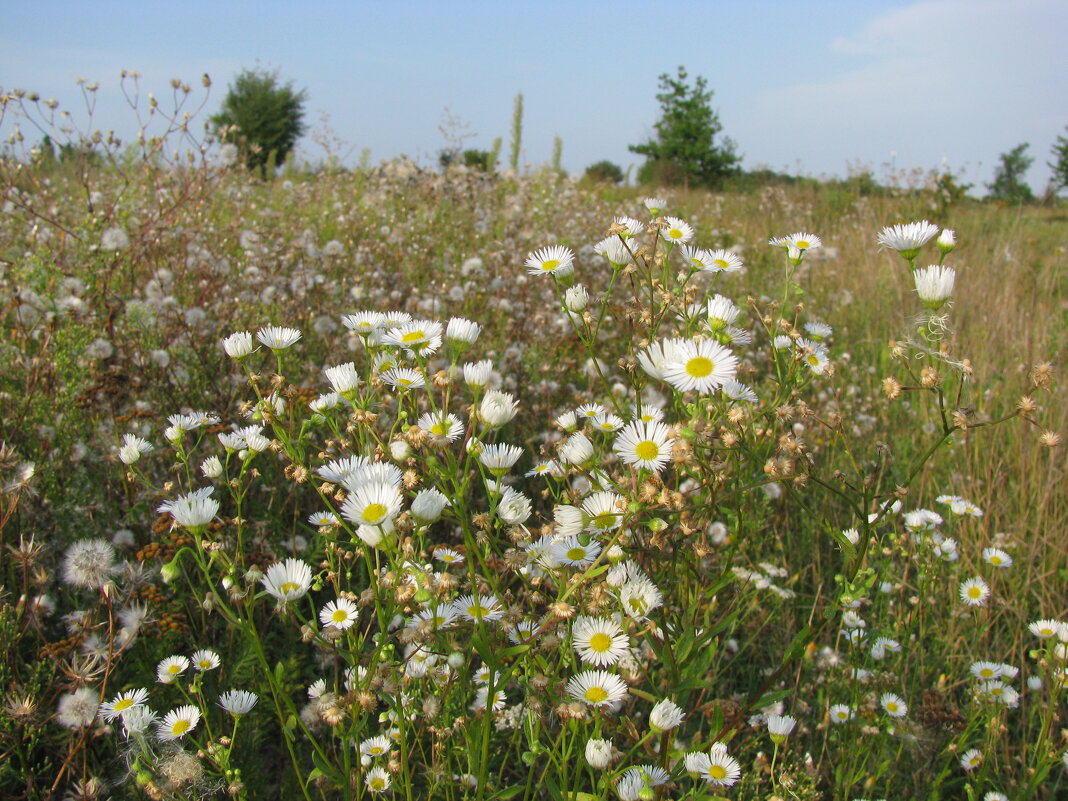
238,702
462,331
571,551
514,507
639,597
971,759
721,312
974,591
701,366
907,239
277,338
343,379
372,504
132,448
893,704
205,659
168,670
555,259
177,723
123,702
996,557
238,345
194,509
378,746
500,458
287,581
497,408
598,688
339,614
478,608
364,323
645,445
934,285
677,231
377,780
665,715
404,378
602,510
614,249
1045,628
420,337
725,261
598,641
841,713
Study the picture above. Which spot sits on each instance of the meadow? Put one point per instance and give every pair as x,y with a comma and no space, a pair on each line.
414,483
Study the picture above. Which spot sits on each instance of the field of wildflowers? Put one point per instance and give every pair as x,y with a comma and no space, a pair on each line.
418,484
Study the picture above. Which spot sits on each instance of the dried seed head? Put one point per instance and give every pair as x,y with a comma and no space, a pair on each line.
929,377
891,388
1051,439
1042,375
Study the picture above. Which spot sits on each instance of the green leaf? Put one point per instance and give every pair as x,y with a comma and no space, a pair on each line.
326,769
505,793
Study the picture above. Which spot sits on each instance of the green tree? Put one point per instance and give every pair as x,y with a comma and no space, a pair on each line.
1009,184
605,172
1059,165
263,116
684,149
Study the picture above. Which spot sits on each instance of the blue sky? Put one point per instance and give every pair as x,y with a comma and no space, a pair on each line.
803,87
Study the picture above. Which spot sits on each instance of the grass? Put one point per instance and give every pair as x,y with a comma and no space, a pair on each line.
741,533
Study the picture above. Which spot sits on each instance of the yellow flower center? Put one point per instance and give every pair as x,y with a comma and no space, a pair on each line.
374,512
647,450
995,560
813,359
717,772
413,336
125,703
289,587
439,429
477,610
974,592
180,727
801,244
891,707
697,262
339,616
174,670
600,642
699,366
550,265
378,783
675,233
596,695
603,520
576,554
721,263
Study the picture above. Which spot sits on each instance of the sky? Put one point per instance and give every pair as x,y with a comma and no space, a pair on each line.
811,88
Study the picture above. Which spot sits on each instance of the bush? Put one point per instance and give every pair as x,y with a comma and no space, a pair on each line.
605,172
264,117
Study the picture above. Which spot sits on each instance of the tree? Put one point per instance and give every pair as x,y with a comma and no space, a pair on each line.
684,149
264,117
1009,184
1059,165
605,172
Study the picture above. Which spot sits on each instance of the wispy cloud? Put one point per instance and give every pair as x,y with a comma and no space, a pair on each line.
943,76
